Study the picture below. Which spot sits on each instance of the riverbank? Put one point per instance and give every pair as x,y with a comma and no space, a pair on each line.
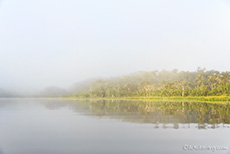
176,98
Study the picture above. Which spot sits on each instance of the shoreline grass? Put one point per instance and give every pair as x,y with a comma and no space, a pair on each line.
172,98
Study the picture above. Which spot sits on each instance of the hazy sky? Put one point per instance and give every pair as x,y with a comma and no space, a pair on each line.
60,42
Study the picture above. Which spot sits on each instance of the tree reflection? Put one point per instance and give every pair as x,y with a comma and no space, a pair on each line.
162,114
167,114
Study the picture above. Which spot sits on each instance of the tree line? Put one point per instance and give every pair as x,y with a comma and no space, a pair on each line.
163,83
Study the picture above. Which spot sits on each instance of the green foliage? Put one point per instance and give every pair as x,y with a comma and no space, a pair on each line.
162,83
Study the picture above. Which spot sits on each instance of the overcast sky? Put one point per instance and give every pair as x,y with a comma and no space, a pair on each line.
60,42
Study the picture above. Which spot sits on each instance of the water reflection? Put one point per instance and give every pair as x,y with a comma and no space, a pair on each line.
177,115
35,126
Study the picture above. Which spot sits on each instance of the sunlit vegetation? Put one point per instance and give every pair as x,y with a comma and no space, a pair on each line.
200,85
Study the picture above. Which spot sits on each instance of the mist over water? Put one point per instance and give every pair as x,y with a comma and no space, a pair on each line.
155,73
71,41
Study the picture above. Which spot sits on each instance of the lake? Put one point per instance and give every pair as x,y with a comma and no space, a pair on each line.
55,126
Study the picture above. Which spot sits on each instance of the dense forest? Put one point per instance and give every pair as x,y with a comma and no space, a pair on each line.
163,83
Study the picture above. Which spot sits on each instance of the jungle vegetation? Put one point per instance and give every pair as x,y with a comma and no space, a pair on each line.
163,83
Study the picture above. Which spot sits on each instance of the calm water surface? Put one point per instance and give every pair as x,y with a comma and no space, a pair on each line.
52,126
